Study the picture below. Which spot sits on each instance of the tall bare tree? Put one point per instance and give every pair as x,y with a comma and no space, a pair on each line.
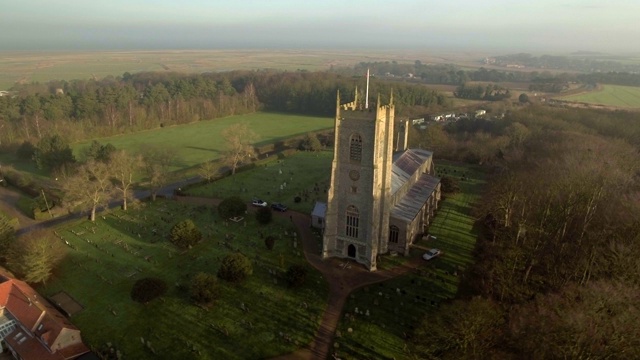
239,139
157,163
90,186
124,166
35,255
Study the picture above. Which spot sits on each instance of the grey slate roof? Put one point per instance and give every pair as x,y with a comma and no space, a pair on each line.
412,202
406,164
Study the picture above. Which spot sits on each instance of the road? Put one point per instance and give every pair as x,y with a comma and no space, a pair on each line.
9,198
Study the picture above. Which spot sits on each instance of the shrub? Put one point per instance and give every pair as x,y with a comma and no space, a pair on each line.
185,234
297,199
264,215
449,184
26,150
270,241
204,288
232,206
296,275
147,289
235,268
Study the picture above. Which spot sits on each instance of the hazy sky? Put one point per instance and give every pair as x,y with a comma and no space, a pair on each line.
495,25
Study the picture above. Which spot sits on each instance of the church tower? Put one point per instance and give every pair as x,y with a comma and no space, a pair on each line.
359,197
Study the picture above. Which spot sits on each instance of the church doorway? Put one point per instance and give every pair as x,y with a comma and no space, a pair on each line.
351,251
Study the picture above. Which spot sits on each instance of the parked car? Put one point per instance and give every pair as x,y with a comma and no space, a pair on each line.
431,254
279,207
259,203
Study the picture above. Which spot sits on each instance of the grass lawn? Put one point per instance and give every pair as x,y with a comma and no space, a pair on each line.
301,172
613,95
106,258
200,142
396,307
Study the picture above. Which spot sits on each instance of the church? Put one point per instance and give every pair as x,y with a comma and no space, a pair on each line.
382,195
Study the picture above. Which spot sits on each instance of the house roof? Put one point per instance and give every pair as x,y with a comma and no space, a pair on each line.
28,347
42,320
409,206
405,164
319,210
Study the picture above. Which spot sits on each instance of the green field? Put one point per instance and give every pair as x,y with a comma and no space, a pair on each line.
610,95
396,306
201,141
260,318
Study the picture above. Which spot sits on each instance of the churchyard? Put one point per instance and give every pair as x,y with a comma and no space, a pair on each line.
377,319
305,174
261,317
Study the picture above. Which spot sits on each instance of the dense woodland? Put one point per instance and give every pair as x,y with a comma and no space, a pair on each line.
557,274
83,109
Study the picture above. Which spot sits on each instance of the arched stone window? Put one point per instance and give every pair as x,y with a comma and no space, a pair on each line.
353,220
394,231
355,148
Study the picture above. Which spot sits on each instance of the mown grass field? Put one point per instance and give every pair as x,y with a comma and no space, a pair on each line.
194,143
396,307
301,172
260,318
199,142
611,95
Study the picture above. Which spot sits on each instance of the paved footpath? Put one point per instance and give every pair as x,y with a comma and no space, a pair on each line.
341,282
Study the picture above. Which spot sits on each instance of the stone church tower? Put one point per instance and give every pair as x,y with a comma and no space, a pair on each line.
359,197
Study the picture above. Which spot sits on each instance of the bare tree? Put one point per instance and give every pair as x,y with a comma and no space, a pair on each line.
90,186
35,255
239,139
207,170
157,162
124,166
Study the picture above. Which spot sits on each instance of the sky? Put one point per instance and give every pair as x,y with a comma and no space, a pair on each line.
494,25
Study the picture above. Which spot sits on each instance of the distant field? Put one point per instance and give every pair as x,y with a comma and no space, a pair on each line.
44,66
200,142
611,95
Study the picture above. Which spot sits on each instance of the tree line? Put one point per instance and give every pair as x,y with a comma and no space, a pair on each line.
84,109
449,74
556,274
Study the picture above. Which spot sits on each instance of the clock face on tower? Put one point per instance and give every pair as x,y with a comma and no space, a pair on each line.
354,175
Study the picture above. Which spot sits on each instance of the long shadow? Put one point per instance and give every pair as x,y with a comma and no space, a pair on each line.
204,149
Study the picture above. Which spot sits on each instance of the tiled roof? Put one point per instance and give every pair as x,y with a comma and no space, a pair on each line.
414,199
28,347
39,317
406,164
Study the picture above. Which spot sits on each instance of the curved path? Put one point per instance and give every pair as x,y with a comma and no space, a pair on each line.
341,282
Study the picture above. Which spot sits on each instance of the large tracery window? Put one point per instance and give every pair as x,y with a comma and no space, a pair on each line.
393,234
353,219
355,149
